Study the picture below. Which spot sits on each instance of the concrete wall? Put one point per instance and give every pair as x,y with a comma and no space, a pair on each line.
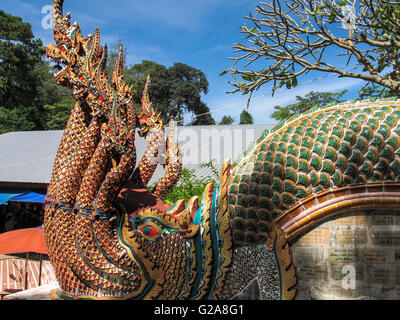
354,257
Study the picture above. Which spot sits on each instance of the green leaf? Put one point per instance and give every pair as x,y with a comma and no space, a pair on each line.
246,77
342,3
319,9
332,16
224,72
307,29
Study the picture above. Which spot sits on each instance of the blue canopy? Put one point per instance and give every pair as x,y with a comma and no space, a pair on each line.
5,196
31,197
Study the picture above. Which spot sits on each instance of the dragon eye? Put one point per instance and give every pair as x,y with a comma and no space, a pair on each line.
150,231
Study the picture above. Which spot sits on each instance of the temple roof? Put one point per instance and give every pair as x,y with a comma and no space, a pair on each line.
28,156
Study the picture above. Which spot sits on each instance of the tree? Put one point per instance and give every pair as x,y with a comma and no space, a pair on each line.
310,100
26,80
299,36
17,119
19,85
57,115
226,120
140,71
173,90
246,118
374,91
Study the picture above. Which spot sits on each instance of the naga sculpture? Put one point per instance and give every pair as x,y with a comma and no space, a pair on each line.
110,238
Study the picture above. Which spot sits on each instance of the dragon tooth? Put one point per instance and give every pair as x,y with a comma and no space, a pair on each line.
122,254
100,293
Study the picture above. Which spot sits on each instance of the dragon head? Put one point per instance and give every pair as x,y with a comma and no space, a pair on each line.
78,59
160,240
149,119
165,246
84,71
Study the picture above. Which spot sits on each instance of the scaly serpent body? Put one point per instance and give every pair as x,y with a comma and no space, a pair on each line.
108,240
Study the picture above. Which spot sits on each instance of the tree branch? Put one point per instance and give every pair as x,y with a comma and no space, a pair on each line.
296,38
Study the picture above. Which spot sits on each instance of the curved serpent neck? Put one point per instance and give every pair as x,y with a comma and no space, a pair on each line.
101,249
95,157
332,147
150,160
172,166
80,238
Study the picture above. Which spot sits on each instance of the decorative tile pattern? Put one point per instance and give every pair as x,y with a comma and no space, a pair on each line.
316,166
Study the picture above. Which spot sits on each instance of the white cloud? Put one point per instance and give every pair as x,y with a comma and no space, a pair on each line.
187,15
27,7
262,104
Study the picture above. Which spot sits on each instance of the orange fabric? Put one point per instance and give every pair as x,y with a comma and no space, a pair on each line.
23,240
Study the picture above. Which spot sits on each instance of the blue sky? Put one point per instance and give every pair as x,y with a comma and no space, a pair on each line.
199,33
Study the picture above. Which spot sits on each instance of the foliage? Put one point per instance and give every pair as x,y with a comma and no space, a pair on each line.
288,40
57,115
374,91
246,118
30,99
226,120
173,90
26,81
19,85
310,100
49,92
190,185
17,119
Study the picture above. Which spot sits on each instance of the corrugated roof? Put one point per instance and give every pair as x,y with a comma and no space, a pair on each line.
29,156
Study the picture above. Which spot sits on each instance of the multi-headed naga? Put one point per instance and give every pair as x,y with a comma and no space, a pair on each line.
110,238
